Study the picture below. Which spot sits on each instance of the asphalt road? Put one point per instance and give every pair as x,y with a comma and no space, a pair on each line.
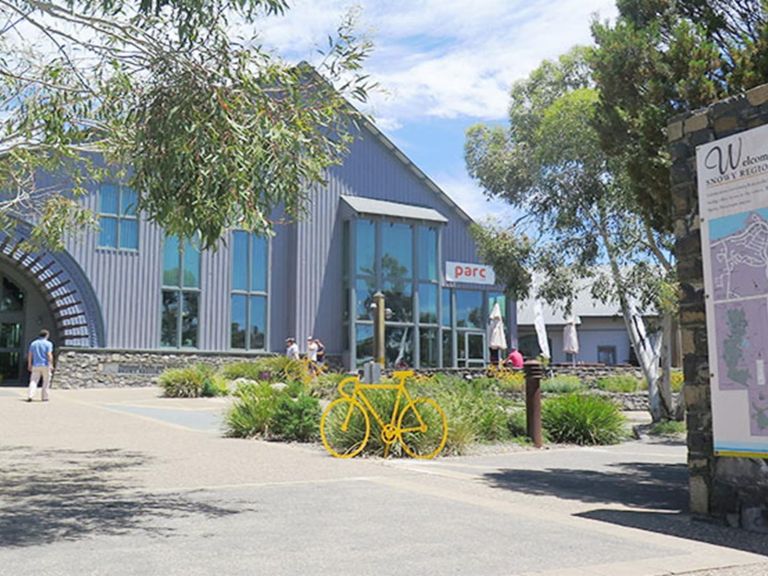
121,482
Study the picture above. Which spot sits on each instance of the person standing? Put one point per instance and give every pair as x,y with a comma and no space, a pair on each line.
292,349
320,351
40,364
312,349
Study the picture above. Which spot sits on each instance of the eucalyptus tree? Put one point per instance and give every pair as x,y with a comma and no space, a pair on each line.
660,58
581,220
212,130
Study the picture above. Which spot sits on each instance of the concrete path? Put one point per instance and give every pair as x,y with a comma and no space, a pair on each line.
121,482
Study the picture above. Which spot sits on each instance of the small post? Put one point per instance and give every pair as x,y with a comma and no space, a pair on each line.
533,374
379,320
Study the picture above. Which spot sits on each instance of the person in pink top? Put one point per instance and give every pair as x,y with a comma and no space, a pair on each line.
515,359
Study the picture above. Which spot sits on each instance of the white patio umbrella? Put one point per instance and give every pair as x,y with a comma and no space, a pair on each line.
497,339
541,328
571,337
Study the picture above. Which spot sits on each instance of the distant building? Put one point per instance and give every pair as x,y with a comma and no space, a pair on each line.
601,331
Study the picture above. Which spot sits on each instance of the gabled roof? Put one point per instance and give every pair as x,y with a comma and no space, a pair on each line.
371,127
583,306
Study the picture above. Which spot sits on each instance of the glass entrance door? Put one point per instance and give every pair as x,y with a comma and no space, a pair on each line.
11,331
471,352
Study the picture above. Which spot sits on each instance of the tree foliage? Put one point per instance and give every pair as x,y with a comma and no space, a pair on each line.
666,57
211,130
586,225
550,165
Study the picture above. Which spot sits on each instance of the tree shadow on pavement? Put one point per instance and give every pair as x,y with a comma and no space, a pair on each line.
54,495
633,484
682,526
660,491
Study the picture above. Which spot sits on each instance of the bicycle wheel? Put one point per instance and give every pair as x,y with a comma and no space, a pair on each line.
422,428
345,428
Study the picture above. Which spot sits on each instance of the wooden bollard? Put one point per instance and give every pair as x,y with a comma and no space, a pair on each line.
533,375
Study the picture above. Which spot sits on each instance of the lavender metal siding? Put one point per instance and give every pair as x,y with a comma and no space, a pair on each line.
372,170
306,295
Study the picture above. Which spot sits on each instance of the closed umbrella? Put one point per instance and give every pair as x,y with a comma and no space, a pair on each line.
541,328
571,338
497,340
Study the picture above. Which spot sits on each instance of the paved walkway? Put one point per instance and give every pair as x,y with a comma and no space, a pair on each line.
122,482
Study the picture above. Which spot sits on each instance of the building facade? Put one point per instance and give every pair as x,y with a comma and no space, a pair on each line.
377,224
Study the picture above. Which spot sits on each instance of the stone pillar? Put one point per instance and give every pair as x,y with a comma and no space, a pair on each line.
734,490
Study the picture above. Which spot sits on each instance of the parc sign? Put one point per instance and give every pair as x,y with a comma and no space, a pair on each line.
469,273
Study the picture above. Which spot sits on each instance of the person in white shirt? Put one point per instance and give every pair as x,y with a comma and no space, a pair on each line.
292,349
312,349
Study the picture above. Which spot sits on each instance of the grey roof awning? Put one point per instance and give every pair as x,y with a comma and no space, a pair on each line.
392,209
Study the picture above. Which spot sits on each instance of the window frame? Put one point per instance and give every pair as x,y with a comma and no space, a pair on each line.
179,289
118,217
249,292
610,349
378,279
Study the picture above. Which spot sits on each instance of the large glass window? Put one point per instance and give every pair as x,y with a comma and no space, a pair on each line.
427,254
364,342
401,260
398,297
365,248
428,303
497,297
250,264
181,293
399,346
118,222
429,345
469,309
396,250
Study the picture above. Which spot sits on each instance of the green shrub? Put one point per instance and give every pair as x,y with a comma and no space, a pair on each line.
667,428
461,435
511,381
676,380
296,419
253,410
248,370
620,383
516,422
562,384
214,385
583,419
270,369
474,412
192,382
325,385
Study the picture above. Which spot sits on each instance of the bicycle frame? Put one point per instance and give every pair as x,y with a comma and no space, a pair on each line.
358,393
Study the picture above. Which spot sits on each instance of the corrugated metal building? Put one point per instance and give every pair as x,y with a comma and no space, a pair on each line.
378,224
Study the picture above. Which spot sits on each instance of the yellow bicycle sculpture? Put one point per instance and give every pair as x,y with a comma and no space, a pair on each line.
420,427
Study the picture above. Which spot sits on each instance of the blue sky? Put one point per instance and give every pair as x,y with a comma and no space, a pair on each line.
443,65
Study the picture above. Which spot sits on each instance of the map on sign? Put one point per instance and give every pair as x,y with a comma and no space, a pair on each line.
739,268
733,205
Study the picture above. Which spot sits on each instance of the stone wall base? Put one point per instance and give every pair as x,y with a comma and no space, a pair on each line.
93,368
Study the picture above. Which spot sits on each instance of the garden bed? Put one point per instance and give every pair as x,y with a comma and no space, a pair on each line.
279,399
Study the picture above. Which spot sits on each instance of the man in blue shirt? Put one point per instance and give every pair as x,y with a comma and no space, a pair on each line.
40,364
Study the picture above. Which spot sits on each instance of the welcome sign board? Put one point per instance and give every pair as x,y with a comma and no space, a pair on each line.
733,207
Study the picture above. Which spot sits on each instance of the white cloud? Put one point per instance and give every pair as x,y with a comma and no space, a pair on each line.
443,58
468,195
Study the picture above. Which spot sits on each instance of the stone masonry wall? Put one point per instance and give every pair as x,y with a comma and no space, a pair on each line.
87,368
734,490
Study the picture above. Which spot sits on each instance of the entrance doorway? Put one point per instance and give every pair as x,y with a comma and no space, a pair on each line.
471,349
12,307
